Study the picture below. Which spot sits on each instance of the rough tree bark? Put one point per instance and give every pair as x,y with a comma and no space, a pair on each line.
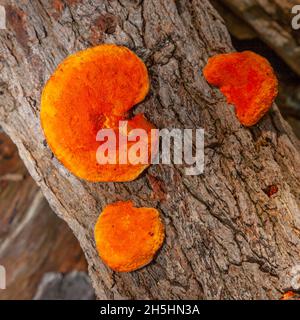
225,237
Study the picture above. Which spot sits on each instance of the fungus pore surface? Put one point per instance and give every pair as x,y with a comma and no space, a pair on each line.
248,82
92,90
127,238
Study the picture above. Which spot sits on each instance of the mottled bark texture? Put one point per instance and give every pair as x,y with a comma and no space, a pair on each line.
225,237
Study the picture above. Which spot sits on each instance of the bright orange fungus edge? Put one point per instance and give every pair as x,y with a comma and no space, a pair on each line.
290,295
90,90
248,82
127,238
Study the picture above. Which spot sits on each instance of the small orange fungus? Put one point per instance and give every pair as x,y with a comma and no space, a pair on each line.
247,80
92,90
290,295
127,238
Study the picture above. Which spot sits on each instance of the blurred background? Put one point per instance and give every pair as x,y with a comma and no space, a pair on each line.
39,250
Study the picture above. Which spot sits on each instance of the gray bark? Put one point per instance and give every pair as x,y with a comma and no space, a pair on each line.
33,240
71,286
225,237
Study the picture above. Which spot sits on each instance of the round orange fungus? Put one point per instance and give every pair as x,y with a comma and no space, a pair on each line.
127,238
247,80
91,90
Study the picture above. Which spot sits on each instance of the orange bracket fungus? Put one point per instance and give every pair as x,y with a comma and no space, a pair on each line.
89,91
127,238
247,80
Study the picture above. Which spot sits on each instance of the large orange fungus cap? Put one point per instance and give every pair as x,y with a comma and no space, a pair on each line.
92,90
247,80
127,238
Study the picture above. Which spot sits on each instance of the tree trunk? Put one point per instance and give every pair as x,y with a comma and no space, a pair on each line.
225,237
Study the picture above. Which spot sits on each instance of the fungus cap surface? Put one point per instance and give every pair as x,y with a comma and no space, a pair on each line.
127,238
91,90
248,82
